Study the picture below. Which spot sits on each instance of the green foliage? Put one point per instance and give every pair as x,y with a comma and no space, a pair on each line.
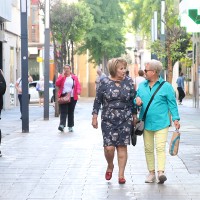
69,24
106,37
186,62
140,13
82,22
177,49
70,21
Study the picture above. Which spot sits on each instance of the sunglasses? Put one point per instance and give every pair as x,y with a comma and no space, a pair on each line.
146,70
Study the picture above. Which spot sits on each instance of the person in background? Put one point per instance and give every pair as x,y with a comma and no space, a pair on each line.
180,88
139,79
127,73
100,76
2,92
18,86
68,82
157,120
40,89
115,94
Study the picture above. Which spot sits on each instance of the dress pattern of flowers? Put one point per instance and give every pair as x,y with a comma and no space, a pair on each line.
116,99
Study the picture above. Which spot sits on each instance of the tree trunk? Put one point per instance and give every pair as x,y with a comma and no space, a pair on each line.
169,66
64,51
56,114
72,56
104,65
68,53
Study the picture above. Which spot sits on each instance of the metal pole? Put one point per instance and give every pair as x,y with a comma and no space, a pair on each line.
162,35
46,62
24,67
155,25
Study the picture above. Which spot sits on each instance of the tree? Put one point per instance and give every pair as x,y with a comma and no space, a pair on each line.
176,38
68,25
105,39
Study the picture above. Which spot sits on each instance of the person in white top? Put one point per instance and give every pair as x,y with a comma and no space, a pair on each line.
139,79
40,89
100,76
18,87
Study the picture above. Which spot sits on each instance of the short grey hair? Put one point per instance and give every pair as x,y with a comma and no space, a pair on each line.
155,65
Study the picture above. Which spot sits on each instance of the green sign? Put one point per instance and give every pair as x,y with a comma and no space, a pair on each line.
193,14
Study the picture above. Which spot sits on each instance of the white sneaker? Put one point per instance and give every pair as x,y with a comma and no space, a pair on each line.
150,178
70,129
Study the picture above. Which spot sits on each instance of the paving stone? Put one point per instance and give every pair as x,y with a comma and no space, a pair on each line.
48,165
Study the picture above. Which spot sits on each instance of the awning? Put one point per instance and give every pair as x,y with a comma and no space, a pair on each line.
33,50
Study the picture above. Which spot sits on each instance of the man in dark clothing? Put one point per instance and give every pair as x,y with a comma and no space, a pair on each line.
180,88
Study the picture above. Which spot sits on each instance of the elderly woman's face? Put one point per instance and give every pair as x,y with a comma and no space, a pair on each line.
121,71
66,70
149,72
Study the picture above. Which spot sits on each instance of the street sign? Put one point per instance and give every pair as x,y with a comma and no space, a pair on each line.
39,59
193,14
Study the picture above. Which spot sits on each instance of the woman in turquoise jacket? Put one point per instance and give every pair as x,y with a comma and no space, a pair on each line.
157,120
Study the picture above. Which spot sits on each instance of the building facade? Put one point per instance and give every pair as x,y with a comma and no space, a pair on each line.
189,15
10,47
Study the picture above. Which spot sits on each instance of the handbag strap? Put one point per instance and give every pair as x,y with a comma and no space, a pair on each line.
145,113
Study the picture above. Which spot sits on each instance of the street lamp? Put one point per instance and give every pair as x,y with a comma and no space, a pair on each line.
24,67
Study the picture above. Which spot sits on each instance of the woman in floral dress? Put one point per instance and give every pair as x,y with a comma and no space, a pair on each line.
115,94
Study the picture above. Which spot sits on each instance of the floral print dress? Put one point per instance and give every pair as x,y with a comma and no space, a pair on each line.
116,99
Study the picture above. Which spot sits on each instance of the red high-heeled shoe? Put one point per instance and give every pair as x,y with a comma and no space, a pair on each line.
122,180
108,176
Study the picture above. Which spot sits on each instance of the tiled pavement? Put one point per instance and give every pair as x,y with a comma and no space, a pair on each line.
45,164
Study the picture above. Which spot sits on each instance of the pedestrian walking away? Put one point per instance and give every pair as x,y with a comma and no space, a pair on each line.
40,89
18,86
157,119
139,79
115,94
100,76
180,88
68,83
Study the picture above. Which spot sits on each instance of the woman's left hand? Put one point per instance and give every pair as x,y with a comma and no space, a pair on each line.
177,124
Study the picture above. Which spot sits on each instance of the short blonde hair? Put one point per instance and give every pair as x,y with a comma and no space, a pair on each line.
155,65
113,64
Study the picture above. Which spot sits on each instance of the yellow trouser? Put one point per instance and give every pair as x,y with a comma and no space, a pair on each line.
160,142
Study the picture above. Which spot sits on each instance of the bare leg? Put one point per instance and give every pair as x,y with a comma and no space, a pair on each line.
122,159
109,153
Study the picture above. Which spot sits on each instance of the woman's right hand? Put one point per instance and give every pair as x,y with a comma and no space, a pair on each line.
94,122
138,101
19,90
63,74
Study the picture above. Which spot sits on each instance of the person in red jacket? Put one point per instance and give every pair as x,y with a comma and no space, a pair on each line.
68,83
